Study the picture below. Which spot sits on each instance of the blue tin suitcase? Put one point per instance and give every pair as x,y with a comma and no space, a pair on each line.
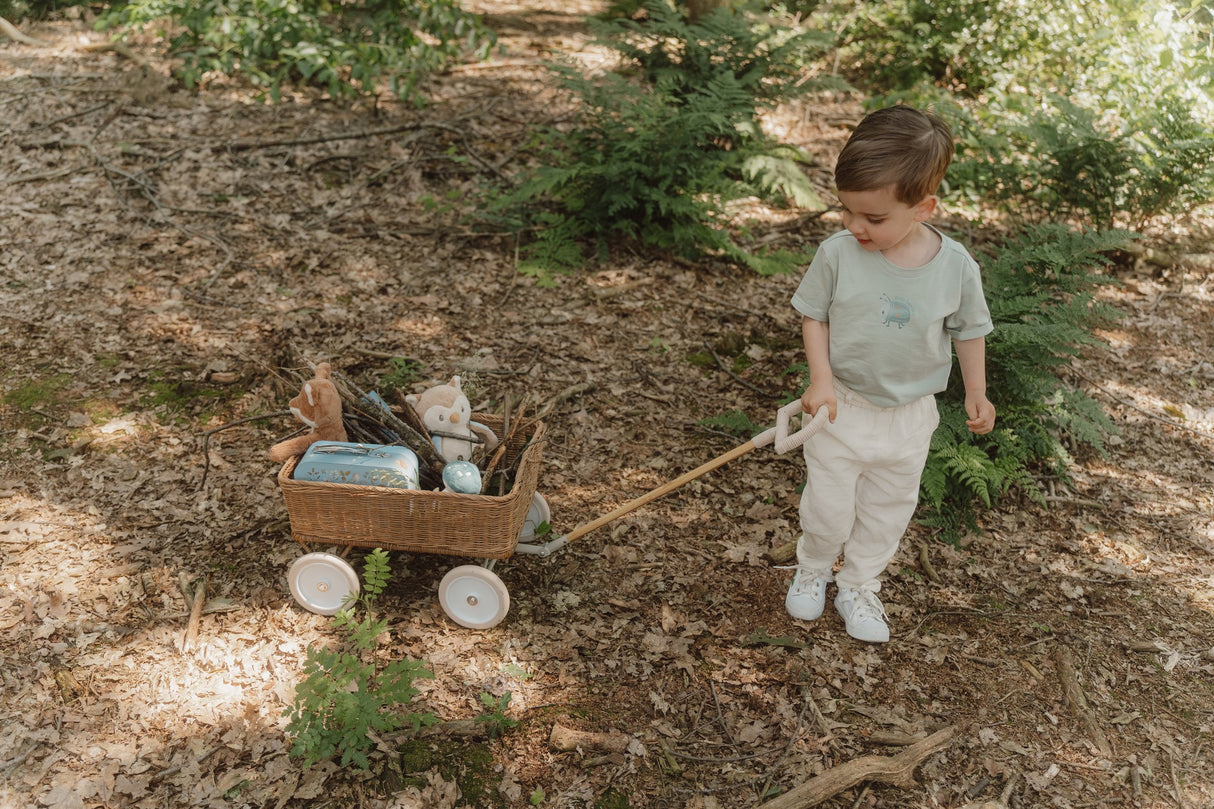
359,464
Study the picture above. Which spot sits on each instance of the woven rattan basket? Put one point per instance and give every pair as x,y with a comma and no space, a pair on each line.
484,526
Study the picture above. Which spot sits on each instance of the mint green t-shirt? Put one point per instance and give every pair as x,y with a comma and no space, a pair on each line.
891,327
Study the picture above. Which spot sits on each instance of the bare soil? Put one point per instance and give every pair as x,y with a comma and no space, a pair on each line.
170,259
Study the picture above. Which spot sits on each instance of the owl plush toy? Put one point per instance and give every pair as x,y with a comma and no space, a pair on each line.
445,411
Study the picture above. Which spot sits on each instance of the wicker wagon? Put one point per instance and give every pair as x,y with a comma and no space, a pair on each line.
484,526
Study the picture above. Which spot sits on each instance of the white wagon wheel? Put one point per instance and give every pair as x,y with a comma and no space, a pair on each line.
322,583
474,596
538,513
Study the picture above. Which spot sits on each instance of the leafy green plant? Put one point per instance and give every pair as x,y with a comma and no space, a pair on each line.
345,48
1040,286
1101,115
404,372
496,721
1125,51
657,150
1071,162
734,422
346,695
14,10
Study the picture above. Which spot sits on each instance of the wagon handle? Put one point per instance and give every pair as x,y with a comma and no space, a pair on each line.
779,435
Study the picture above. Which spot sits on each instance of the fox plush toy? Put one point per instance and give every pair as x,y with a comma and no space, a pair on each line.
318,405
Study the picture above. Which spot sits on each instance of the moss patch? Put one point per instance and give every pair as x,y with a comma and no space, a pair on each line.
468,765
612,799
33,394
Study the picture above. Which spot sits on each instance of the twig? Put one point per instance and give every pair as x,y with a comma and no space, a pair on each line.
199,597
925,562
1180,800
567,393
11,31
45,175
512,421
146,190
246,145
716,698
721,364
897,770
419,443
1133,406
808,700
71,115
1078,702
206,440
176,768
9,766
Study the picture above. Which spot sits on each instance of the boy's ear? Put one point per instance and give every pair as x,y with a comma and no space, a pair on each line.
926,208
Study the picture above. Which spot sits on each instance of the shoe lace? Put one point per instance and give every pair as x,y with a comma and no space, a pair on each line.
807,578
867,605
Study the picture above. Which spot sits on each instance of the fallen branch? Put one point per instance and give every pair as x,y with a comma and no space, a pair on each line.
198,599
567,739
782,554
456,729
925,562
1078,702
206,440
897,770
567,393
10,31
246,145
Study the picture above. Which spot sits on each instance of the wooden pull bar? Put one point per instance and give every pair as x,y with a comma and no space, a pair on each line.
662,491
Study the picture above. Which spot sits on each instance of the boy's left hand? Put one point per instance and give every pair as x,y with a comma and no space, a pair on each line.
981,414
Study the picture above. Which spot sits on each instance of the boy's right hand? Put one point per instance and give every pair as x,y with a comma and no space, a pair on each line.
816,396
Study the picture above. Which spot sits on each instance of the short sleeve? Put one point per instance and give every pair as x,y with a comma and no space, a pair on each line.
817,288
973,317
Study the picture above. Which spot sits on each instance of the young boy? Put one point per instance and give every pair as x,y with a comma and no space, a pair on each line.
881,302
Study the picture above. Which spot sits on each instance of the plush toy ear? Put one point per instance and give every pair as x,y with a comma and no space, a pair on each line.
455,384
323,370
412,399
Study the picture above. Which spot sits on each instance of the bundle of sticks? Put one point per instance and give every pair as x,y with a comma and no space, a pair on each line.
368,419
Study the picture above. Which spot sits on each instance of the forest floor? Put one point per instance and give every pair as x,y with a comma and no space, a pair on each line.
171,259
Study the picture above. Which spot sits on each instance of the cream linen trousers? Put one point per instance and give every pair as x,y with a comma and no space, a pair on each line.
863,485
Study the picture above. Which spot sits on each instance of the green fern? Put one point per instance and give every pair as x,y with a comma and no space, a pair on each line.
344,697
657,151
1040,286
734,422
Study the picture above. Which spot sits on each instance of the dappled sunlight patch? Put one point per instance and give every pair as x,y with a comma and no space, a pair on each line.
421,326
667,626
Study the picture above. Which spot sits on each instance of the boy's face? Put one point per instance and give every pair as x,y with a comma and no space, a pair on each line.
879,221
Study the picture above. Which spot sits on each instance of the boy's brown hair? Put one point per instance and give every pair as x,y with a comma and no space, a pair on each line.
901,147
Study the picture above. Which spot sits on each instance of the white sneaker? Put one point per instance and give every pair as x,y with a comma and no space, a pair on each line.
863,614
806,597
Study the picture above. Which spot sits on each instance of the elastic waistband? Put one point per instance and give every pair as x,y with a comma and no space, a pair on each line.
846,394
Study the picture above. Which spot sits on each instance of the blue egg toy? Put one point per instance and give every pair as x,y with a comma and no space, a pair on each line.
463,477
